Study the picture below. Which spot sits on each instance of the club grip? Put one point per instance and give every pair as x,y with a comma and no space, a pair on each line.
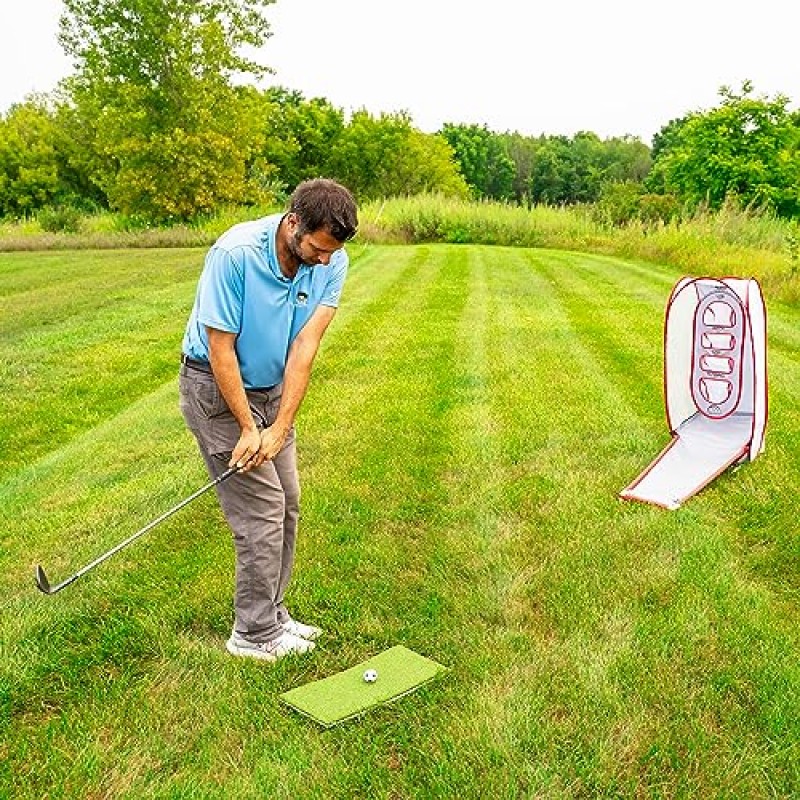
227,474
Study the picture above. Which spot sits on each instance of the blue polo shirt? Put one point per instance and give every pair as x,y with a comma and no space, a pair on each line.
243,291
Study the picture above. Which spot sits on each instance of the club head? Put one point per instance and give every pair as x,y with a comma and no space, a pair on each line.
42,584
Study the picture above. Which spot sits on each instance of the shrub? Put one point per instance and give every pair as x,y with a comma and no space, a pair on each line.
60,219
793,247
618,203
658,208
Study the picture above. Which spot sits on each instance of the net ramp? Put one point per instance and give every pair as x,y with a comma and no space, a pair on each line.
715,387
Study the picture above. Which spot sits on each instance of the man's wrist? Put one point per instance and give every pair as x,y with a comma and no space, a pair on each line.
282,427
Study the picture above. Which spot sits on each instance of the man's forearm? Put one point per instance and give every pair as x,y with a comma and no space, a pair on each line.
225,366
295,384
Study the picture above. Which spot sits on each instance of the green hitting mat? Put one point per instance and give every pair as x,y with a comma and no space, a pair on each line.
389,675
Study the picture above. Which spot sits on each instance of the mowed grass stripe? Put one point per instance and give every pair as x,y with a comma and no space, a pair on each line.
43,290
623,333
63,378
113,477
498,620
634,283
642,278
376,284
543,375
479,729
378,468
782,331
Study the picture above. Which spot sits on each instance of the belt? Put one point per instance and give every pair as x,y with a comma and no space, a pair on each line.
204,366
193,363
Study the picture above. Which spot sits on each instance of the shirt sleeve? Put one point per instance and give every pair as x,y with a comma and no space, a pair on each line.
333,288
220,301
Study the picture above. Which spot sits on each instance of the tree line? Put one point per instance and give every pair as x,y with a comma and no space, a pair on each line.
153,124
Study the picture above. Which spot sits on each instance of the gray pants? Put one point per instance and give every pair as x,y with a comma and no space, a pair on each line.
262,506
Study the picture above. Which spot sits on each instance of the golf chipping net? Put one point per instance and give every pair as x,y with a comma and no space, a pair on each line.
715,387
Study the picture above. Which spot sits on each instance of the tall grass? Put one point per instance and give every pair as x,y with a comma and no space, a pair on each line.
732,241
108,230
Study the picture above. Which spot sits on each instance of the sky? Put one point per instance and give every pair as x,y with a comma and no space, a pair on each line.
614,67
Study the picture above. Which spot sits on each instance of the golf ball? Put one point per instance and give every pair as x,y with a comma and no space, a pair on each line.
370,675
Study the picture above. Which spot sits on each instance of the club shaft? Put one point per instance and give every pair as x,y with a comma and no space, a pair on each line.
150,525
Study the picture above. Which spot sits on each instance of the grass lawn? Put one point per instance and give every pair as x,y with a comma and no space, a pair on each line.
473,414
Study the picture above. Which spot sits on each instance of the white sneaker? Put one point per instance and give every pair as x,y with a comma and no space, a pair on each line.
284,645
307,632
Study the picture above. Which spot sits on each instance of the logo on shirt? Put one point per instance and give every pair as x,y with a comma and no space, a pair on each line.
302,298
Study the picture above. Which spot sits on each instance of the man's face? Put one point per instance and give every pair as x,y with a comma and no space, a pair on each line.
312,248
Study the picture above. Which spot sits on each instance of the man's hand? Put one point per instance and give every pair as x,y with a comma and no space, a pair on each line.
273,439
255,447
245,455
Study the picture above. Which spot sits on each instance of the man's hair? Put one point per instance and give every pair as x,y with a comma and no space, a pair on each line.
323,204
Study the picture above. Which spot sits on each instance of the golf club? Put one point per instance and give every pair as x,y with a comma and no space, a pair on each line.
43,584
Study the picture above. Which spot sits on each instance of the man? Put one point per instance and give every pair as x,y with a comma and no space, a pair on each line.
268,292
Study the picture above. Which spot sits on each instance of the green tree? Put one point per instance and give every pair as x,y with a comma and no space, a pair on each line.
576,170
34,156
664,143
547,169
586,153
625,158
28,162
522,151
554,177
170,135
384,156
748,148
483,159
77,156
299,134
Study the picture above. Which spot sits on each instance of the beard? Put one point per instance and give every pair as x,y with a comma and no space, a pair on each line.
294,247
